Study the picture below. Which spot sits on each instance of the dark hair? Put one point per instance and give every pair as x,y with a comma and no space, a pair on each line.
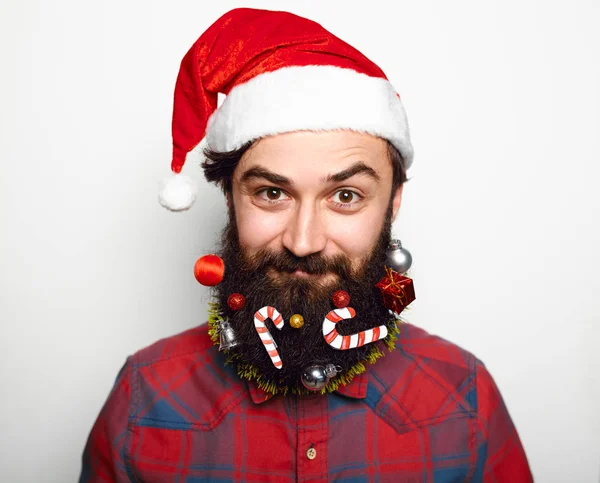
219,166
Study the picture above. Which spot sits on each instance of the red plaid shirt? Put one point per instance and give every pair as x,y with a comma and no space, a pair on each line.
426,412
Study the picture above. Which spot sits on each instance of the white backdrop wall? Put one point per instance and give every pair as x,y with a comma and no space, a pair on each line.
501,213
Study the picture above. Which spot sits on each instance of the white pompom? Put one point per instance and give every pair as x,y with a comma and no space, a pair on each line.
177,192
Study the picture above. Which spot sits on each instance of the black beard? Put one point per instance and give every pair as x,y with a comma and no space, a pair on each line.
299,348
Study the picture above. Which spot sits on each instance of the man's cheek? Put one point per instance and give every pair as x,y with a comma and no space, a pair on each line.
259,230
355,234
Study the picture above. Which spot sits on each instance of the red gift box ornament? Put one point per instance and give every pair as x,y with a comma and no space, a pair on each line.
397,290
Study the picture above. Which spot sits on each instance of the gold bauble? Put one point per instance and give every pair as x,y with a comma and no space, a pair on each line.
296,321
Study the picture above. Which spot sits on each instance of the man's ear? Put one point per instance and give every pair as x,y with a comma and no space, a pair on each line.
397,202
228,200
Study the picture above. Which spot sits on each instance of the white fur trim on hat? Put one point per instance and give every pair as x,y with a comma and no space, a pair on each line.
311,98
177,192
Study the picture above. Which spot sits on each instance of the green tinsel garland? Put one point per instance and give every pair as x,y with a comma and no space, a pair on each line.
250,372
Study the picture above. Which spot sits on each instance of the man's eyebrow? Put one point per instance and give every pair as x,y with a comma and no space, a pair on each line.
260,172
356,168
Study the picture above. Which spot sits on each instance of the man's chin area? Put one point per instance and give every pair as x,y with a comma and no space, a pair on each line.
307,295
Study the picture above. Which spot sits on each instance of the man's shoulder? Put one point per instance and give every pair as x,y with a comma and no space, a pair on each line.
187,343
424,380
416,342
182,381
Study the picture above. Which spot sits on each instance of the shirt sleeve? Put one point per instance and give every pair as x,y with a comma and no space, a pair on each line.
501,454
103,458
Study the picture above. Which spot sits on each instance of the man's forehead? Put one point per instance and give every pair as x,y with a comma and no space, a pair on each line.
324,153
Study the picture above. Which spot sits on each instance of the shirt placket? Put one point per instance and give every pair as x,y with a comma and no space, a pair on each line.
312,434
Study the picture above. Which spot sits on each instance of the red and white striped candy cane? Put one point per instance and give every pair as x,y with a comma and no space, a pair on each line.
268,312
344,342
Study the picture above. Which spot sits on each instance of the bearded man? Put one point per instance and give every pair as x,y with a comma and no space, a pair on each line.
311,148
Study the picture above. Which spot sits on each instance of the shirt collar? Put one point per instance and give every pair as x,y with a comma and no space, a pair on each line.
355,389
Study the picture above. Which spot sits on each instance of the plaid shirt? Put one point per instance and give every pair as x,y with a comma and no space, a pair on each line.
426,412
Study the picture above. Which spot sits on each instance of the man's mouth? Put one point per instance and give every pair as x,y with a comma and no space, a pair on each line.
297,273
302,274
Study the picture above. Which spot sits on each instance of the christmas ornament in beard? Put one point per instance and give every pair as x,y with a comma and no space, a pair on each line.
266,279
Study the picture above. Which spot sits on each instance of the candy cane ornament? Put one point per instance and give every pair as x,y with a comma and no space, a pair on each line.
268,312
345,342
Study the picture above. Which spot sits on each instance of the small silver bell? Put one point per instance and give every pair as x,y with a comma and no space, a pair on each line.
316,376
398,258
227,338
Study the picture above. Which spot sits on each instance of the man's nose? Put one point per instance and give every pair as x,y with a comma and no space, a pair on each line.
305,232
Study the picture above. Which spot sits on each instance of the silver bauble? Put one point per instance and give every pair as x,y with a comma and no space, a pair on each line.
398,258
316,376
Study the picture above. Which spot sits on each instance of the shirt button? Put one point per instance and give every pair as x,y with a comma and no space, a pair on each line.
311,453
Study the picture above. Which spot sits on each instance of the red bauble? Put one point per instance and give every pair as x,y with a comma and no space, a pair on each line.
209,270
236,301
340,299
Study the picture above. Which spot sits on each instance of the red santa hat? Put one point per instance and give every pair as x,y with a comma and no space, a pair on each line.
280,73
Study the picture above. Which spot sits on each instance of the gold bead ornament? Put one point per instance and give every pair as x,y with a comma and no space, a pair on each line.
296,321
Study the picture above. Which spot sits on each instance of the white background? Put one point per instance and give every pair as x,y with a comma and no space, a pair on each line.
501,214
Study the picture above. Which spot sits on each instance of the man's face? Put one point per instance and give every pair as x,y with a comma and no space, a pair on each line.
311,214
307,192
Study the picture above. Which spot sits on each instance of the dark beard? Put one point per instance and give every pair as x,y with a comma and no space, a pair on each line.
299,348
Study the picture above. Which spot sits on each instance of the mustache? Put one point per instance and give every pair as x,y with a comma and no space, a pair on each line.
285,261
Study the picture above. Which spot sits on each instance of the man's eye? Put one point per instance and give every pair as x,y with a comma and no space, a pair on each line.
345,196
272,194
